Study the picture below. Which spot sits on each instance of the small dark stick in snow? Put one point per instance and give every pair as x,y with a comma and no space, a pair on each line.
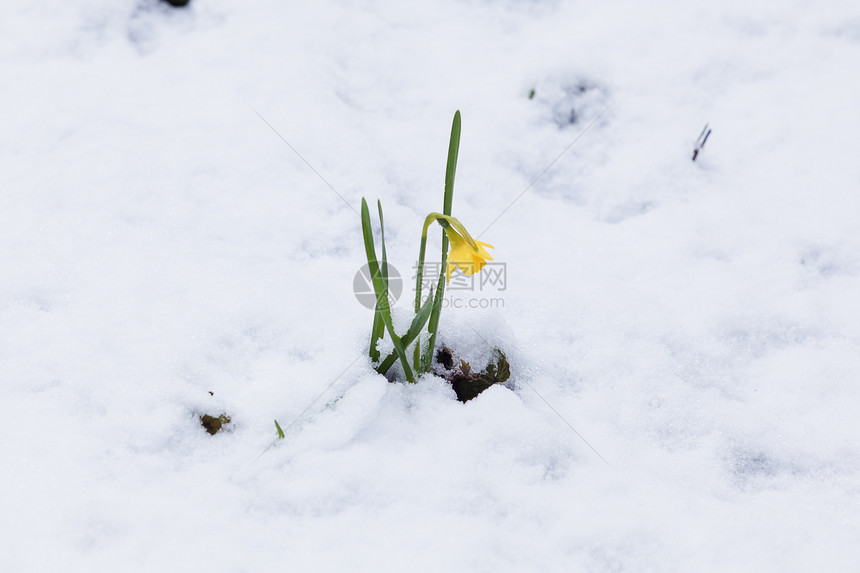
700,142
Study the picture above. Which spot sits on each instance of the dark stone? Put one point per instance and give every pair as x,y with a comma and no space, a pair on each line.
212,424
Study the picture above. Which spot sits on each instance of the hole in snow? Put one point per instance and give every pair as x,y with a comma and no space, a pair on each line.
574,103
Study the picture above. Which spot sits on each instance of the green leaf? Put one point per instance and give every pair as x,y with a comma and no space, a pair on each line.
498,372
468,385
447,202
414,330
381,290
280,431
451,168
377,331
382,236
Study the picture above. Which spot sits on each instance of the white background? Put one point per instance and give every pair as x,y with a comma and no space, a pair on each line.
697,323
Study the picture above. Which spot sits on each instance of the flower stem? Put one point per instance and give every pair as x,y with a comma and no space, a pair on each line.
419,283
445,222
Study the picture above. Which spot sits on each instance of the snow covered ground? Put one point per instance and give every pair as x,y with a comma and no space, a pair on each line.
697,323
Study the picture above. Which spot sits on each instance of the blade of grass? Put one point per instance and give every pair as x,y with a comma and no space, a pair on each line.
377,331
280,431
384,267
381,290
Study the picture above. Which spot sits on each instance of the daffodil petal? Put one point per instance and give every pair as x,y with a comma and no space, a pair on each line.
464,256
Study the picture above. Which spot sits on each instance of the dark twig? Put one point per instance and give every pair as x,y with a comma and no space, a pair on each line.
700,141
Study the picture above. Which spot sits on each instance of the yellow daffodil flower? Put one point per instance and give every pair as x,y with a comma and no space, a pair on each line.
464,256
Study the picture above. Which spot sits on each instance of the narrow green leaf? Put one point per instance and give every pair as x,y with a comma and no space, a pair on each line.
381,290
377,331
280,431
382,236
447,202
451,168
414,330
367,234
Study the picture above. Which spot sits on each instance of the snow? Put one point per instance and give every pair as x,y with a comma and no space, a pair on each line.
166,255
